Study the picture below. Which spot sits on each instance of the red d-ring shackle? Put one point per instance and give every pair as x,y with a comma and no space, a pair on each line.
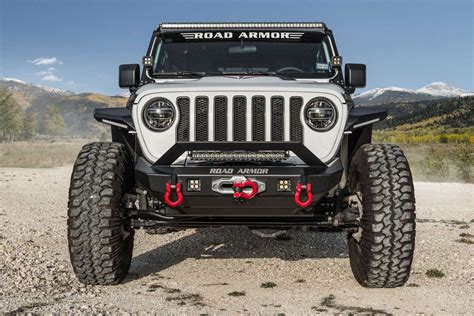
245,184
179,200
299,189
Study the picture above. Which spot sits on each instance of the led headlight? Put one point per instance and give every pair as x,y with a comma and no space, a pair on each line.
320,114
159,114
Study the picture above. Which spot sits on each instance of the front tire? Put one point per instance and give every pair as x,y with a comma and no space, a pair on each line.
381,252
100,244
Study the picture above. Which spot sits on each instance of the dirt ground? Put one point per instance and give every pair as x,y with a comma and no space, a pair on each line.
227,270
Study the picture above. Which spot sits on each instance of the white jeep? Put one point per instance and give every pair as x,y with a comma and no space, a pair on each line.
247,124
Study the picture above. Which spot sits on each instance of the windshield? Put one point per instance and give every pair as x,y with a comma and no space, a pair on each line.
288,54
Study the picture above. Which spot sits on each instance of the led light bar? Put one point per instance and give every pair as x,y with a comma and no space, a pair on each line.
240,25
239,155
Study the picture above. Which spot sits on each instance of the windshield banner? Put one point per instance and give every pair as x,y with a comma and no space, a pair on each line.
241,35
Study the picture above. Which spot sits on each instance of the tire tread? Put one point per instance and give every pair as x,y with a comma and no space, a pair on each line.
384,255
99,253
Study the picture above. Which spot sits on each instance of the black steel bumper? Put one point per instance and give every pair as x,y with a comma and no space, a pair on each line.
207,202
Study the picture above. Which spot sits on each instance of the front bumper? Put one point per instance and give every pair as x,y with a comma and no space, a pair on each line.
208,202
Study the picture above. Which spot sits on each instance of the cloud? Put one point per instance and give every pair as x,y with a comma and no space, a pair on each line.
45,61
48,71
51,77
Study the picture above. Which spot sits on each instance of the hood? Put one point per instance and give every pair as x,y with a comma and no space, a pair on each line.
240,83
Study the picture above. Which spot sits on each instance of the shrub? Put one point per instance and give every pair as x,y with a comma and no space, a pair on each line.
435,273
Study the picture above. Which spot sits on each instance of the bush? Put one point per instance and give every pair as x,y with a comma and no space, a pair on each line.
435,273
435,164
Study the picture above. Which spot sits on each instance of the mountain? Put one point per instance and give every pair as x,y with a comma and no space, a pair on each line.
435,90
76,109
13,84
446,120
441,114
443,90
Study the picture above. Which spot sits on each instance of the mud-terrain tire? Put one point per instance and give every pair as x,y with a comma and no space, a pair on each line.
100,245
382,253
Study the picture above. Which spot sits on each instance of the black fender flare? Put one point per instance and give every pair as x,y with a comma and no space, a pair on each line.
118,117
359,126
360,117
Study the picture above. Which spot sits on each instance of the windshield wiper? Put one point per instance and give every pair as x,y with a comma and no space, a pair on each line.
255,73
198,74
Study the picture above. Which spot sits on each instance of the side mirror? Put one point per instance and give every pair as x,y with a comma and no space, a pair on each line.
355,75
129,76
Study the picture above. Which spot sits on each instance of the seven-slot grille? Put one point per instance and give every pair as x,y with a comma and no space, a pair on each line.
239,118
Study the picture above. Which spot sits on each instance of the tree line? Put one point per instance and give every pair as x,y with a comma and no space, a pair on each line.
17,123
449,113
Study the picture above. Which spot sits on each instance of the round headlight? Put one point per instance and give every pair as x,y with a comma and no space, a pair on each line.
159,114
321,114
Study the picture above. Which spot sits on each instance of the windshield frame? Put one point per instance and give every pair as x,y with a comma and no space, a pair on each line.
157,40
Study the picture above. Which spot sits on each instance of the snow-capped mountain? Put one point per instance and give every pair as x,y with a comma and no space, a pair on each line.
435,90
14,84
14,80
443,90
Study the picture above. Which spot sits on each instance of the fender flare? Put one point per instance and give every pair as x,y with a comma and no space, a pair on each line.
119,117
360,117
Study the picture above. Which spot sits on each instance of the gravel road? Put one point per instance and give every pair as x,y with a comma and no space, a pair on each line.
221,270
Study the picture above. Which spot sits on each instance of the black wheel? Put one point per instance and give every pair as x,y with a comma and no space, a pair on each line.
381,252
100,244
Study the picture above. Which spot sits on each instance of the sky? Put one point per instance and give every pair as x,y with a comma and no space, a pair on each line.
78,45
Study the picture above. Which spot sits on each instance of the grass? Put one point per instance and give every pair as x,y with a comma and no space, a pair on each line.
329,302
268,285
466,238
419,136
40,154
441,162
183,299
236,293
465,241
435,273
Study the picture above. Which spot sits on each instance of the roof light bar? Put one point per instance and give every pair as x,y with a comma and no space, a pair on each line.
252,25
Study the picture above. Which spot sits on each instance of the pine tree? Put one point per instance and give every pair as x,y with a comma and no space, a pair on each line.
29,126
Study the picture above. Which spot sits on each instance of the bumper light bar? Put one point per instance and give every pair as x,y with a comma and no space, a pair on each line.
239,156
250,25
